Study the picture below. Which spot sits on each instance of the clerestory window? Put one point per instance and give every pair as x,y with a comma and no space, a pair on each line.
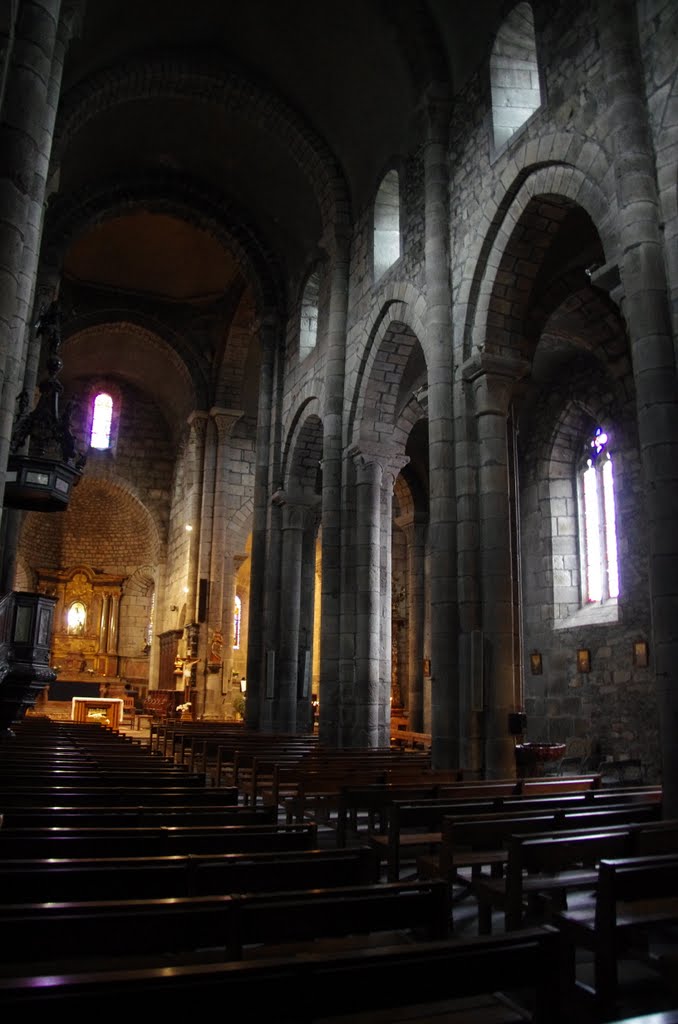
102,419
308,327
597,528
386,241
514,74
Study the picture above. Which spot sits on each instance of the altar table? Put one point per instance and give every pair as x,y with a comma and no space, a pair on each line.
101,710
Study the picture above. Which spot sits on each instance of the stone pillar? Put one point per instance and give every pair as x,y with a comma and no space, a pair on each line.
416,595
646,309
256,660
391,468
306,619
493,381
386,609
203,567
331,627
442,500
366,694
220,570
43,30
196,454
294,523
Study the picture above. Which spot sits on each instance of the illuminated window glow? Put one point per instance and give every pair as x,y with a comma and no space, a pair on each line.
100,436
237,615
597,518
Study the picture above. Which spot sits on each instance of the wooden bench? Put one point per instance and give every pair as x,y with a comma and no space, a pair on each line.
236,925
314,786
633,896
202,743
59,879
417,826
18,795
250,768
137,816
102,841
559,861
111,777
165,735
316,987
376,799
479,841
409,739
204,753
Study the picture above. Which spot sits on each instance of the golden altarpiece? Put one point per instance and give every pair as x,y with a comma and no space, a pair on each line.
84,648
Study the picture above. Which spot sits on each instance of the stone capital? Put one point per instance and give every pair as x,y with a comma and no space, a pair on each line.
493,379
225,420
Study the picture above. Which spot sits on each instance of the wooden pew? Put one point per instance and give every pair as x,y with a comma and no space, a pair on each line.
18,795
417,826
633,895
185,742
409,739
375,800
177,736
315,987
480,840
235,926
314,786
187,875
226,752
555,862
251,765
136,815
273,923
60,879
130,842
131,777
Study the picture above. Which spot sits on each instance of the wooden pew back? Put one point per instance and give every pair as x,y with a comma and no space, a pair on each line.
293,989
114,878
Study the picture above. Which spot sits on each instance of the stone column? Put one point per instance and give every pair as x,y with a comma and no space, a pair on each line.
391,468
219,571
42,32
196,455
331,627
256,661
646,309
294,523
416,595
442,500
493,381
306,617
366,692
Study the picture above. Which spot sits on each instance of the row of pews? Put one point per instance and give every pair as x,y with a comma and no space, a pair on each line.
127,873
413,810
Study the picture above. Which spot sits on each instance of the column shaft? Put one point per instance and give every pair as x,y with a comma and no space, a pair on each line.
331,625
646,309
368,599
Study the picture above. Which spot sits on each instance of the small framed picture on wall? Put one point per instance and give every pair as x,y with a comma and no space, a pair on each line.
583,660
640,654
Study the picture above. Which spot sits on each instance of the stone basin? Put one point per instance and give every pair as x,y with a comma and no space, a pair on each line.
537,753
